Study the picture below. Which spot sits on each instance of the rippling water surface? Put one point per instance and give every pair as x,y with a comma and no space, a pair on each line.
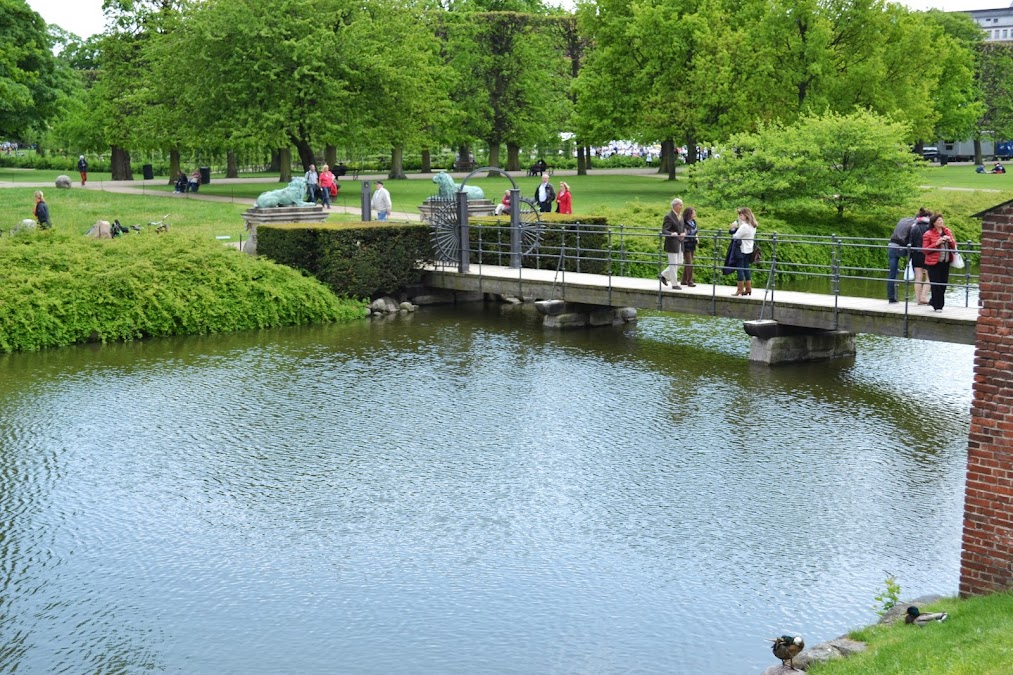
461,492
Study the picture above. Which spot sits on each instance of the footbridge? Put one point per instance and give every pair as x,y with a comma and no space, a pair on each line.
810,295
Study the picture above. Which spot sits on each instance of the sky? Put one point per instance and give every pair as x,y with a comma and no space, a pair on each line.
84,17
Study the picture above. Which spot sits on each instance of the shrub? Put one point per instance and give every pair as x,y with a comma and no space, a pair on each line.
359,260
60,289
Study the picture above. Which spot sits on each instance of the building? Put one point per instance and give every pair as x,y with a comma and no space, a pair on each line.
997,23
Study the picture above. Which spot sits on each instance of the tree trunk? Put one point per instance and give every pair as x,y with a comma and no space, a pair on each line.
667,158
397,163
285,165
231,164
690,149
427,161
173,165
121,164
513,157
978,158
305,151
587,157
275,161
463,155
581,161
331,156
493,156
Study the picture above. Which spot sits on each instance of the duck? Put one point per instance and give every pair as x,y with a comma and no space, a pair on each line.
915,616
787,648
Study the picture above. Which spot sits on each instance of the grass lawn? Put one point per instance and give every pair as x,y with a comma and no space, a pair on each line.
977,639
965,177
77,210
8,175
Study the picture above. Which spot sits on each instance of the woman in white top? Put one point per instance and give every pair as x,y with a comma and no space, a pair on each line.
744,229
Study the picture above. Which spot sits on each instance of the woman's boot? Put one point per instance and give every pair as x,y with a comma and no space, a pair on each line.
749,288
738,291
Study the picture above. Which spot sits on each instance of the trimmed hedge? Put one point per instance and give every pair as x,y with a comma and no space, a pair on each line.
358,260
585,238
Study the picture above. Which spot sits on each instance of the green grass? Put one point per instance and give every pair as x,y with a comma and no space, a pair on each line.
75,211
964,177
977,639
8,175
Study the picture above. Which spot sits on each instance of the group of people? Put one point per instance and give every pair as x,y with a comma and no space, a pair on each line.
679,232
932,247
545,194
996,168
321,186
186,183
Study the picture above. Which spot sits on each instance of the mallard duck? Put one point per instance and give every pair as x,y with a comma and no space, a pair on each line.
915,616
787,648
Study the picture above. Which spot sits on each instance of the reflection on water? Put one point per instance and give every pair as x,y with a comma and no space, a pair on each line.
461,491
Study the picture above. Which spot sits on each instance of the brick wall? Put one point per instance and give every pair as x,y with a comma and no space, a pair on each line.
987,556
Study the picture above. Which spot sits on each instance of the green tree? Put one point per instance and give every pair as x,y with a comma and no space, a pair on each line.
842,161
29,81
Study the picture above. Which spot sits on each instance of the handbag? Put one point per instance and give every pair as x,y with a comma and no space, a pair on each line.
757,254
909,272
958,261
334,190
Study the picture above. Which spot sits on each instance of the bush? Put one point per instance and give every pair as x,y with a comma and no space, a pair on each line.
60,289
358,260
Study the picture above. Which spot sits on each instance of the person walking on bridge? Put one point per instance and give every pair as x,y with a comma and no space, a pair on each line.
673,232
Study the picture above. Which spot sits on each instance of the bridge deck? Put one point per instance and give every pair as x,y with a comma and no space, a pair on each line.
858,315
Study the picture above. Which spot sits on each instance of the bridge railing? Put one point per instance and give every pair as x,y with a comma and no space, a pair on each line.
833,265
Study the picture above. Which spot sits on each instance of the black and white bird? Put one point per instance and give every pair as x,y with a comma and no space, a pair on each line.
915,616
787,648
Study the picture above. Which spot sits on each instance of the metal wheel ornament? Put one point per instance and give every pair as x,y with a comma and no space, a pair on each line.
446,228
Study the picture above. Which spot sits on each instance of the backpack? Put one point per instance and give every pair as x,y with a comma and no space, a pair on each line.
914,239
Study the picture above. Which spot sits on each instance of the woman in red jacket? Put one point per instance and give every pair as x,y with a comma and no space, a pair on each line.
564,199
938,244
327,186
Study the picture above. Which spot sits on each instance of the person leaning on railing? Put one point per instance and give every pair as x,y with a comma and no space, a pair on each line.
897,250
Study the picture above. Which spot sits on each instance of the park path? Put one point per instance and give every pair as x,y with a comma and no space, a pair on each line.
141,187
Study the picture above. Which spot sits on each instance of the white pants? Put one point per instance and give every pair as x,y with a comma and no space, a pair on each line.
671,272
501,209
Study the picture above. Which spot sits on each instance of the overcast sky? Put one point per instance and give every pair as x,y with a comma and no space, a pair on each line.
84,17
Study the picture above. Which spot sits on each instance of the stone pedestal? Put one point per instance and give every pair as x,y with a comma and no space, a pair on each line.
562,315
279,214
775,343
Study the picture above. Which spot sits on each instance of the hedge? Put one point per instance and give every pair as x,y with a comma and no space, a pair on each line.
358,260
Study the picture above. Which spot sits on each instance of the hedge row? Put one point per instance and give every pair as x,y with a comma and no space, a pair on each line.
358,260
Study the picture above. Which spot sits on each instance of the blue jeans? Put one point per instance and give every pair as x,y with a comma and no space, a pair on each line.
381,215
895,255
742,270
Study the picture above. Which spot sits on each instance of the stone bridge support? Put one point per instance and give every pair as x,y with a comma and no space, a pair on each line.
562,314
986,563
773,343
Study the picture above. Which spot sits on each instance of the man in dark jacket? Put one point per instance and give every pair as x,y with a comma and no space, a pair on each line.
673,232
82,167
545,194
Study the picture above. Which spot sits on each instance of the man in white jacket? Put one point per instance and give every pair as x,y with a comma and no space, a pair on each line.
381,201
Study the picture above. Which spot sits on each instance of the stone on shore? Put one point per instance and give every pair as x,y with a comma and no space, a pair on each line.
63,182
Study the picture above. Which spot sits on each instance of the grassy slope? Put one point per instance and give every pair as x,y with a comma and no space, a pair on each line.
977,639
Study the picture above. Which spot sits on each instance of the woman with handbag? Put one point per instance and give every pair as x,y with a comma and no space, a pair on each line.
688,245
744,230
938,244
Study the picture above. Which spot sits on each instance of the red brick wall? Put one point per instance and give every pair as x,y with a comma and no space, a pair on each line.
987,556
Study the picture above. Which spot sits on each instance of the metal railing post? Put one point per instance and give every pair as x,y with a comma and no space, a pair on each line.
464,231
367,208
714,276
515,228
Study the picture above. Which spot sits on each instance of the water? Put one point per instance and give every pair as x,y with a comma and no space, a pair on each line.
462,492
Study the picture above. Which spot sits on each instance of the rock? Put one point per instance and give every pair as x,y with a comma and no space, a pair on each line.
603,317
407,307
781,670
567,320
26,224
551,307
385,305
101,230
628,314
510,299
829,651
63,182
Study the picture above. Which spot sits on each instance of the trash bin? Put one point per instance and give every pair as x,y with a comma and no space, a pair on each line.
205,175
943,160
148,171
